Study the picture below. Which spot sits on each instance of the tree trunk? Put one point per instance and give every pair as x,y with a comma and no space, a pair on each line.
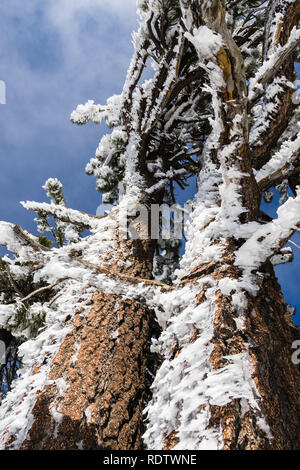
96,385
228,381
266,338
102,405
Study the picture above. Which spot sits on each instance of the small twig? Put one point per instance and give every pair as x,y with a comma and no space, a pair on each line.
20,233
294,244
124,277
12,281
42,289
54,299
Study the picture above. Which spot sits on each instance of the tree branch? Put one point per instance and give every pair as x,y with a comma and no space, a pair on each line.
276,178
11,234
124,277
65,214
271,66
269,238
42,289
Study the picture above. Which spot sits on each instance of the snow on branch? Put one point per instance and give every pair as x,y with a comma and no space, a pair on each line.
123,277
270,67
269,238
134,73
88,112
280,165
96,113
164,80
285,255
65,214
13,236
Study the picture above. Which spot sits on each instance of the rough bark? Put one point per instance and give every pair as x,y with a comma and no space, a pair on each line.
264,332
269,331
267,336
106,385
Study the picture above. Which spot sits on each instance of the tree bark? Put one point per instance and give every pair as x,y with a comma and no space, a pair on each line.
106,386
232,384
267,338
105,366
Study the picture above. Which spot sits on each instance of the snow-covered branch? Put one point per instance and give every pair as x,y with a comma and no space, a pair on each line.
88,112
280,165
13,236
65,214
269,238
163,83
272,65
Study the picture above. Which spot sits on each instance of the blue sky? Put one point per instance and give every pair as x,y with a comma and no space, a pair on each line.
54,55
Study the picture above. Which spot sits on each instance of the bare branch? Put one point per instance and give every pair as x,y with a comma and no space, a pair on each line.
124,277
43,289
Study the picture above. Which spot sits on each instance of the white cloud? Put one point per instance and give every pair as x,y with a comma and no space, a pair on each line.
93,38
55,54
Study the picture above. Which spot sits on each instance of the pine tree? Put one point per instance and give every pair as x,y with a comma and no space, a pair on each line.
220,105
20,320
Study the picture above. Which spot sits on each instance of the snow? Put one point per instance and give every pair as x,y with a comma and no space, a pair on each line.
269,107
282,159
79,445
285,255
38,354
206,41
8,238
58,417
270,63
6,311
267,238
63,212
88,413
